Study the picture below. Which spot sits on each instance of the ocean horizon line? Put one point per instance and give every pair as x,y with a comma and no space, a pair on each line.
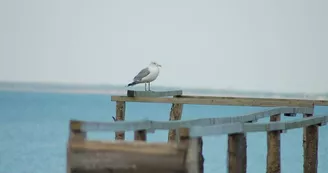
112,89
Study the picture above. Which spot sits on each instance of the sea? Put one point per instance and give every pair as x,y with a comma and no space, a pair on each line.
34,131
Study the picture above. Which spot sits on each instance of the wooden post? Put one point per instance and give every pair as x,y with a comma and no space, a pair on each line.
120,116
184,137
237,153
310,147
175,114
273,148
140,135
75,134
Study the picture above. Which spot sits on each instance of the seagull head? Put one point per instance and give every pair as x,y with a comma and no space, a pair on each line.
155,64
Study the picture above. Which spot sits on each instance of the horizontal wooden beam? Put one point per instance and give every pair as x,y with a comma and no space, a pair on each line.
137,157
232,101
240,127
133,93
167,125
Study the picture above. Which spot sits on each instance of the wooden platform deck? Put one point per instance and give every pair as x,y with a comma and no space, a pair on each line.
133,93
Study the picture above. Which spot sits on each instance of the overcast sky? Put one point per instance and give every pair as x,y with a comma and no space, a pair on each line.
251,45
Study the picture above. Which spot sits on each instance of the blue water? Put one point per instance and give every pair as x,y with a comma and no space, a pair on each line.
34,131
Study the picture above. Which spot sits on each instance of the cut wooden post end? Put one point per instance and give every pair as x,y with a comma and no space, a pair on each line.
132,93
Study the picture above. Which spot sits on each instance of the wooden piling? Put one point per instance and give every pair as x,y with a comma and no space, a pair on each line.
140,135
120,116
175,114
310,147
237,158
273,148
184,137
76,134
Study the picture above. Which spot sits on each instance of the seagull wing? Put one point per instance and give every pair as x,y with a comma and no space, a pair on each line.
143,73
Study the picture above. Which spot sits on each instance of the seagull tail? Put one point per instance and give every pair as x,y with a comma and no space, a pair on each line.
132,83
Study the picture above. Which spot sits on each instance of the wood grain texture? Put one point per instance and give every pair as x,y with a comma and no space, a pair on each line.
132,93
273,149
236,101
120,116
310,147
130,156
175,114
237,153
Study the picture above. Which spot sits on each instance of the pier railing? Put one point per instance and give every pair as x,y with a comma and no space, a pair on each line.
185,137
235,127
237,141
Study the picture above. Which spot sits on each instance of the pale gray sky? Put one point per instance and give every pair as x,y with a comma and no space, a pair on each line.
251,45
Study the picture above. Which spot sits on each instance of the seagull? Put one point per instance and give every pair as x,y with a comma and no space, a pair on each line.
146,75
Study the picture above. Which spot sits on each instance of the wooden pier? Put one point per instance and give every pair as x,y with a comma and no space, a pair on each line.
185,137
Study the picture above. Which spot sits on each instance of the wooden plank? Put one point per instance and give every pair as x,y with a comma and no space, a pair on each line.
166,125
310,147
175,114
240,127
136,156
120,116
133,93
273,149
236,153
232,101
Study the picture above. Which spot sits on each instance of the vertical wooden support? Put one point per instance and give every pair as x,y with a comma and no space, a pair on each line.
237,158
76,134
310,147
120,116
192,156
175,114
140,135
185,138
273,149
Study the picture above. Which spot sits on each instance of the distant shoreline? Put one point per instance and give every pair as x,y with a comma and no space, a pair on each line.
120,90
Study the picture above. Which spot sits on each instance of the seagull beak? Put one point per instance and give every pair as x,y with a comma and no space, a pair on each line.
159,65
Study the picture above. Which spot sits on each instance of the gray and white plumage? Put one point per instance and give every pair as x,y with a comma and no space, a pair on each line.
147,75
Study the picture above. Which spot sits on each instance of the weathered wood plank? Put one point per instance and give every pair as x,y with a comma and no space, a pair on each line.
310,147
240,127
175,114
133,93
120,116
137,156
235,101
273,149
166,125
237,153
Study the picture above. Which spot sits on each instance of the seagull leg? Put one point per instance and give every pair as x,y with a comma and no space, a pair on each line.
148,86
145,86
